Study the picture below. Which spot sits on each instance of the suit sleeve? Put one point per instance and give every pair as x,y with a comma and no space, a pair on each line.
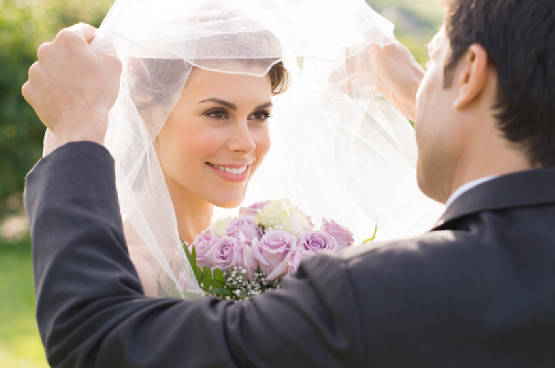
91,310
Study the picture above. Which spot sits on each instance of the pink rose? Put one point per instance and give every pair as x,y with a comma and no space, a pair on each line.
343,237
252,209
298,256
245,225
273,253
224,253
204,242
315,241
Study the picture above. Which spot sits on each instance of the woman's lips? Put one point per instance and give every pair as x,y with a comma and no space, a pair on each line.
231,173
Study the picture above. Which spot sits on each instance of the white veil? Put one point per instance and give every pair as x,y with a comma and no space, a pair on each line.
339,150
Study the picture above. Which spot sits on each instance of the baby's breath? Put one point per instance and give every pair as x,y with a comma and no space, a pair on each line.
241,287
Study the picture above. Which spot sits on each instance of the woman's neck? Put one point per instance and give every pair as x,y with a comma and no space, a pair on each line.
193,214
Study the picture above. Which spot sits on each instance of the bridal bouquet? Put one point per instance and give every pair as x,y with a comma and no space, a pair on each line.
238,257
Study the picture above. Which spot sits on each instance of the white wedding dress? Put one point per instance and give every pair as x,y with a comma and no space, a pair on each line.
339,150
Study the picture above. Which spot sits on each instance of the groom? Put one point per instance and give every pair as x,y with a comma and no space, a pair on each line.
476,291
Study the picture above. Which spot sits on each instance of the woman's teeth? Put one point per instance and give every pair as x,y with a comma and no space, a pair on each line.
230,170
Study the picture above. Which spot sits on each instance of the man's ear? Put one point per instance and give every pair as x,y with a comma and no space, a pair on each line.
472,77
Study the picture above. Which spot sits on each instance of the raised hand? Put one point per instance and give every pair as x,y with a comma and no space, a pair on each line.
400,74
71,88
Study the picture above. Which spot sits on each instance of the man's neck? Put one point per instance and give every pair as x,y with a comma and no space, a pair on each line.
482,165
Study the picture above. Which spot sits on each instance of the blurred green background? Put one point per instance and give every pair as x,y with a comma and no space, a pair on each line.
24,25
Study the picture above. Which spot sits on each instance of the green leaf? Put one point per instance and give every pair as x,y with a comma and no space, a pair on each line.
186,249
190,258
221,291
194,256
206,278
198,274
373,236
219,279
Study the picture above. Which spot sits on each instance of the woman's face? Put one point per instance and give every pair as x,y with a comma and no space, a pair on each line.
216,137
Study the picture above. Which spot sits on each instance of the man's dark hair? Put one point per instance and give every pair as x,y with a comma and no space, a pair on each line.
519,37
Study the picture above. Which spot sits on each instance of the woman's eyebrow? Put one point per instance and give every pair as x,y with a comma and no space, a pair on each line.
221,102
232,106
264,105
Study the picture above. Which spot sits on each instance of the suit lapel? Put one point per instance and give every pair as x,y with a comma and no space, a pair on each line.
523,189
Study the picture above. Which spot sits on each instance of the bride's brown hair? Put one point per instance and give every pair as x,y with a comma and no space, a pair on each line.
156,81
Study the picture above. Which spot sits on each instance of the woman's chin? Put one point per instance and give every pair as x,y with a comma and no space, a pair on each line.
228,201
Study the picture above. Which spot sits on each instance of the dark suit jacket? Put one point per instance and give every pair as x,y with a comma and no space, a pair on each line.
477,291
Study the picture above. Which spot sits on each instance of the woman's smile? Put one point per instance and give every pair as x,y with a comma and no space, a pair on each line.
231,173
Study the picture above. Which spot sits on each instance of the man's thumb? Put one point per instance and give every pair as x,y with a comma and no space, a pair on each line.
111,60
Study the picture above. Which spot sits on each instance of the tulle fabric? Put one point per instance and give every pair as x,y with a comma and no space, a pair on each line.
339,149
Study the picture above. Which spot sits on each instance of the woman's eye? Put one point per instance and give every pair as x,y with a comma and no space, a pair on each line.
261,115
218,114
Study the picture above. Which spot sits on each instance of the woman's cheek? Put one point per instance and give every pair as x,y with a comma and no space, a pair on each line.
263,144
204,142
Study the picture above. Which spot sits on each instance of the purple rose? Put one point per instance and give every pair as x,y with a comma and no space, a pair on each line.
343,237
245,257
315,241
245,225
252,209
204,243
224,253
298,256
273,253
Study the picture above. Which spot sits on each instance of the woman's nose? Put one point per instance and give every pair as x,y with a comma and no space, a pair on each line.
242,140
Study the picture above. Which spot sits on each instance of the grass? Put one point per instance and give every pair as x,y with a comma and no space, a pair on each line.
20,345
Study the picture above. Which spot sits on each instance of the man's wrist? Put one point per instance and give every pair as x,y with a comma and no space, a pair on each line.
84,128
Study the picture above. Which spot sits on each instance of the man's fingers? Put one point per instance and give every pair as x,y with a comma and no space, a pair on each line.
31,95
29,89
85,30
43,50
26,91
34,71
76,35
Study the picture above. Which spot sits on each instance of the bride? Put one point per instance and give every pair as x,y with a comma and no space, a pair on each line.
207,86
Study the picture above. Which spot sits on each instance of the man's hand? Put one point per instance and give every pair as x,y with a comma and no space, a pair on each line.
72,89
400,74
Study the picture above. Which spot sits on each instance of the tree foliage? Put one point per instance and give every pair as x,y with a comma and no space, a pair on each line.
416,22
24,25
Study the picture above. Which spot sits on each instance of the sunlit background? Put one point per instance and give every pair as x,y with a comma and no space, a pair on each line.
24,25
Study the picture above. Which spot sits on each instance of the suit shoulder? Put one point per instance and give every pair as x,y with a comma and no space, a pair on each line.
443,244
437,261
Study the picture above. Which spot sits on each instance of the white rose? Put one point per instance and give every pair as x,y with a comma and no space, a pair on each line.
281,215
298,221
220,225
274,213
